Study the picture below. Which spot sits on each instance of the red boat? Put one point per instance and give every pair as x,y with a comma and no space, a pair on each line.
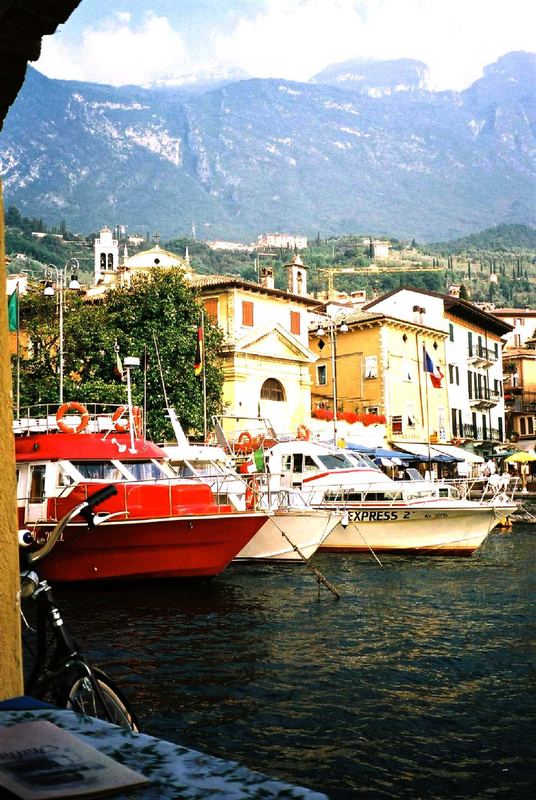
157,525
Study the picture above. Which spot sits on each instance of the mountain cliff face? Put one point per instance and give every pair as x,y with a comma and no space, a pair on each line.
381,156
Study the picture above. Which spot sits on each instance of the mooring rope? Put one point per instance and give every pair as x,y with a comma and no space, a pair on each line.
368,545
319,577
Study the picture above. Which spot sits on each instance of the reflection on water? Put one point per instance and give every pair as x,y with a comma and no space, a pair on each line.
419,682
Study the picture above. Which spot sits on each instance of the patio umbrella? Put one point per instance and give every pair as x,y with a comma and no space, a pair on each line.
520,457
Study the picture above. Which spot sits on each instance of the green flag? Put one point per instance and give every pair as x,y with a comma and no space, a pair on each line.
258,457
13,309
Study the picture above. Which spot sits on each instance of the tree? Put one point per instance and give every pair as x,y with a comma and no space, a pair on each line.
463,293
157,307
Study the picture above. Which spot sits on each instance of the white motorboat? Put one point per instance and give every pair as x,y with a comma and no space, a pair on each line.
293,531
382,514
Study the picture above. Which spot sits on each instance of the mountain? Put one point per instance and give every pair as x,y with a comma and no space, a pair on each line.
256,155
501,239
376,78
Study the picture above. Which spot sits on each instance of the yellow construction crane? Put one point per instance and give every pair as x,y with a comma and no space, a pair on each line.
373,269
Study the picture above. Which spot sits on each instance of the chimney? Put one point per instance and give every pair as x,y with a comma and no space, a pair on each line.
267,278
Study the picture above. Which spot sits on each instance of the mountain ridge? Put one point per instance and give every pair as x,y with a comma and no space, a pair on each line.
261,154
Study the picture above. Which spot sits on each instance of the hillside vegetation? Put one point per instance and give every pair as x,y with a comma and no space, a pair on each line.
497,265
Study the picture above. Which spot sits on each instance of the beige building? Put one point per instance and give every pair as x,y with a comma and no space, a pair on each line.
379,373
523,322
520,394
266,356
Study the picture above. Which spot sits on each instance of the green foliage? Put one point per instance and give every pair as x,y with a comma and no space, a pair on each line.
502,238
157,307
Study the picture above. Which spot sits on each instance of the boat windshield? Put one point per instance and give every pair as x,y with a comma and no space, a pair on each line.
362,460
146,470
99,470
335,461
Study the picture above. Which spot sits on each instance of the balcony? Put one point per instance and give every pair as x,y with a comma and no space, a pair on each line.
476,433
478,355
484,398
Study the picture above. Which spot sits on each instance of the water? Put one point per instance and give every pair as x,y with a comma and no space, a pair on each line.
419,683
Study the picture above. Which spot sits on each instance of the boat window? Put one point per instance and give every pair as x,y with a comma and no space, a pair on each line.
37,483
342,495
369,462
183,469
420,495
64,479
99,470
146,470
336,461
379,497
309,464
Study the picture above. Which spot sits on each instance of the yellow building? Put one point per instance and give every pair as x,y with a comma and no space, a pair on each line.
266,357
520,394
379,371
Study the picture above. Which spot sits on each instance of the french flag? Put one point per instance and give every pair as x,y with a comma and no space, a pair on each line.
436,376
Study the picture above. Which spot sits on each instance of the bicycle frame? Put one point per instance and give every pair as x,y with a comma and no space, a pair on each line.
64,676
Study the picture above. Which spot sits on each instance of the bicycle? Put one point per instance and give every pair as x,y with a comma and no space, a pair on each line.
63,676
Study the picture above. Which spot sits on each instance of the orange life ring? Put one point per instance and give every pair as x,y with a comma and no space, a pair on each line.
304,433
244,443
123,427
64,409
252,493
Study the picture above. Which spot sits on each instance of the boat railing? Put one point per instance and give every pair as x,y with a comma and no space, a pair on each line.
43,418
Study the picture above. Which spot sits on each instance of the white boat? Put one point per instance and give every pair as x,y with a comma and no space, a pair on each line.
293,531
382,514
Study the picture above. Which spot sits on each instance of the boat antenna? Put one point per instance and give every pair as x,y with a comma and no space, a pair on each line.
175,424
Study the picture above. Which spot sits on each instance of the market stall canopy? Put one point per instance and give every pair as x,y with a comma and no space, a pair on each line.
521,457
459,453
425,452
381,452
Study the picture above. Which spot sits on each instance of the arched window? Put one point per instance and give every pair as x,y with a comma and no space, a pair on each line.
110,261
273,390
103,260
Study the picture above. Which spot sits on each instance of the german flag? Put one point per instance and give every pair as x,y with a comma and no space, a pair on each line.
198,363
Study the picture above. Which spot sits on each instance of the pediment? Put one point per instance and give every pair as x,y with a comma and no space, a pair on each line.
275,342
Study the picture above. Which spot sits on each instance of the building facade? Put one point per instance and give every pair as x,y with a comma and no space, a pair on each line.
379,373
473,366
266,357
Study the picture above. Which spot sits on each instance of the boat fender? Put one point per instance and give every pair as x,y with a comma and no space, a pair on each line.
72,406
122,426
252,493
304,433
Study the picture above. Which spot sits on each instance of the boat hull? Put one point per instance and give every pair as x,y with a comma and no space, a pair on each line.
441,530
305,529
185,547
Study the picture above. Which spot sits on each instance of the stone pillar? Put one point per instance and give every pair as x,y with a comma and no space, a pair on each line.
10,639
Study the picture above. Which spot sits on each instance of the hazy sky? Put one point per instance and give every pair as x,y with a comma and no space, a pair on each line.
142,41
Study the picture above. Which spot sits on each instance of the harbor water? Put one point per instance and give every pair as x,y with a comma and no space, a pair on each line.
419,683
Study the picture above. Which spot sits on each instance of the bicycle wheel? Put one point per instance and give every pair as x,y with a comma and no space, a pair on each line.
81,696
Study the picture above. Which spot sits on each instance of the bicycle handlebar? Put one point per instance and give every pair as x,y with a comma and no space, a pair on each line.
85,509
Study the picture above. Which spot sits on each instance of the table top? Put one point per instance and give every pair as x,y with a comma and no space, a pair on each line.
173,771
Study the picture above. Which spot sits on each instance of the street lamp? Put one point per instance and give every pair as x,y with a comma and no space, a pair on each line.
71,266
332,329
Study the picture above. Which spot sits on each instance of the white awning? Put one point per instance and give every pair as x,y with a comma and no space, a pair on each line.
459,452
424,451
417,449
